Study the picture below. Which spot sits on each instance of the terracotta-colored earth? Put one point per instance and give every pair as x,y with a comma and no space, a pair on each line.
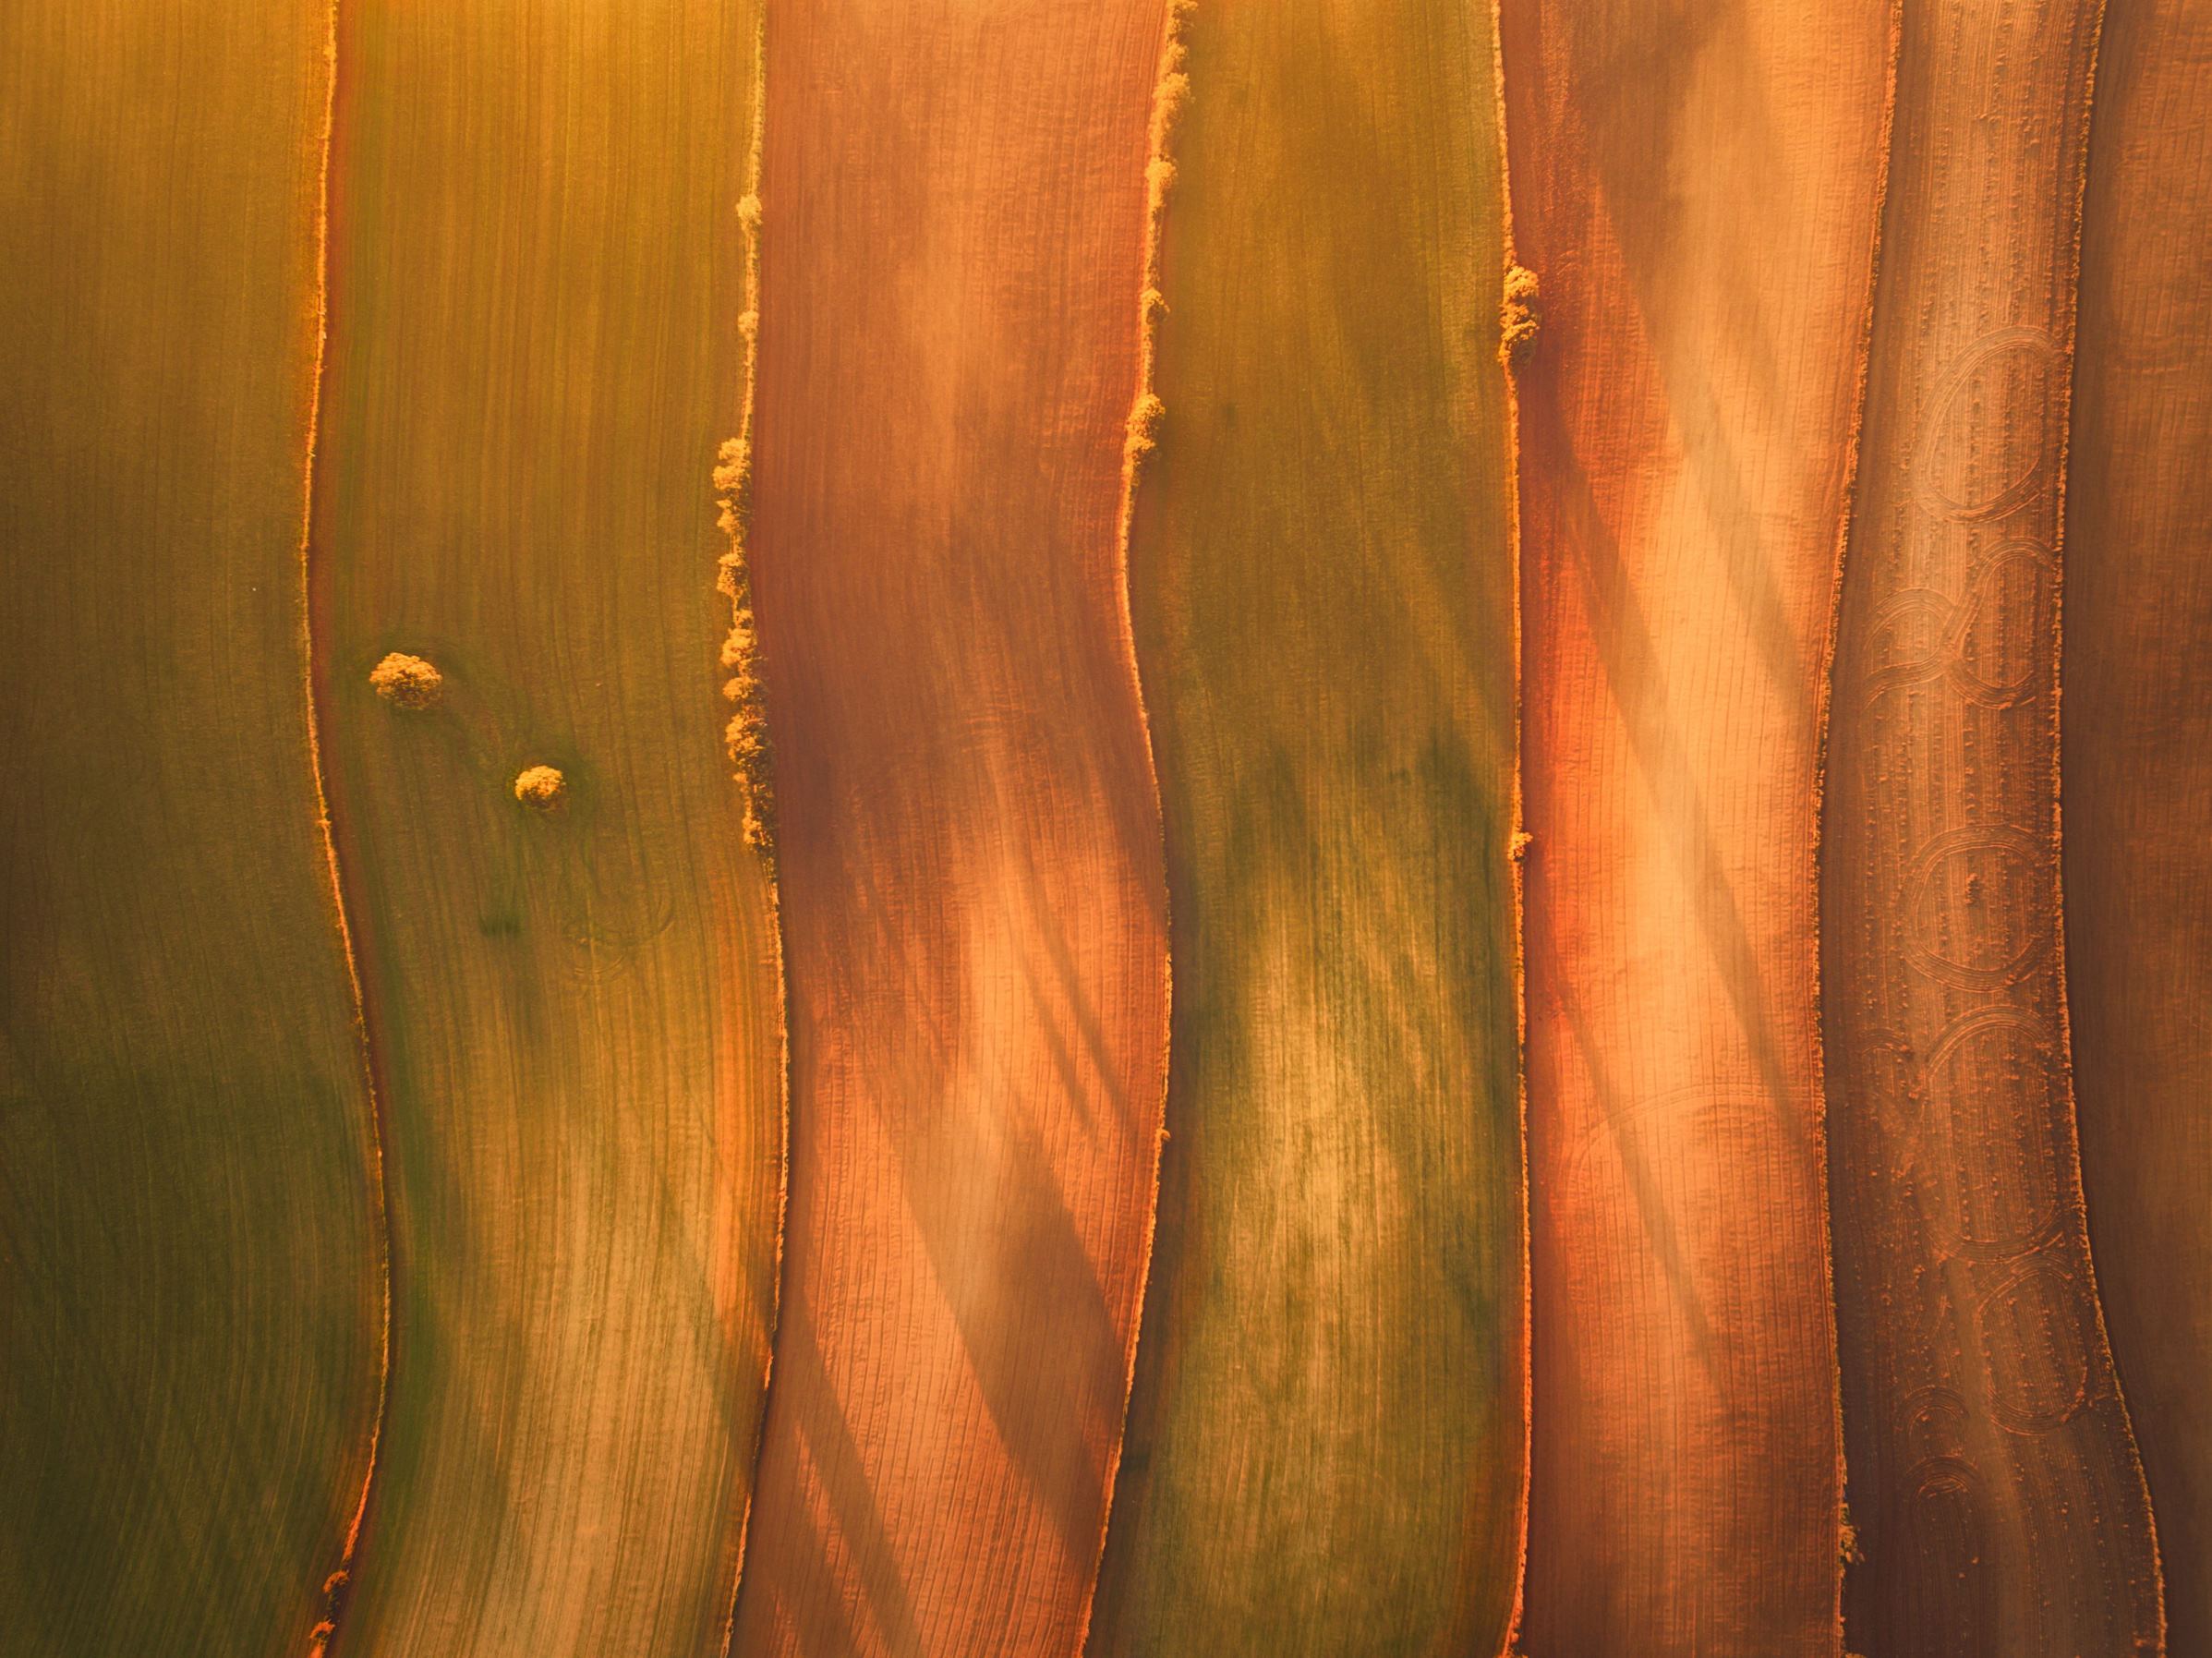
952,219
1695,189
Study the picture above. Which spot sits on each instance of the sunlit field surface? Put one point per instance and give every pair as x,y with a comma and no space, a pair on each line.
1106,828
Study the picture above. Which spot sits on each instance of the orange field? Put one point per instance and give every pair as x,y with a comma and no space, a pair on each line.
1142,829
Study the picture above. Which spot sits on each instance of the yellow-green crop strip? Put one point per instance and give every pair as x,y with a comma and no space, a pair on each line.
1326,1449
567,944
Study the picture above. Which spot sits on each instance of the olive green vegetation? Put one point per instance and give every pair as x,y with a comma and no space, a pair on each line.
537,282
1325,1447
191,1280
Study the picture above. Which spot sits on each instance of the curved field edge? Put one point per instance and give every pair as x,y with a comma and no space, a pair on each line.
748,745
2137,755
1326,1444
